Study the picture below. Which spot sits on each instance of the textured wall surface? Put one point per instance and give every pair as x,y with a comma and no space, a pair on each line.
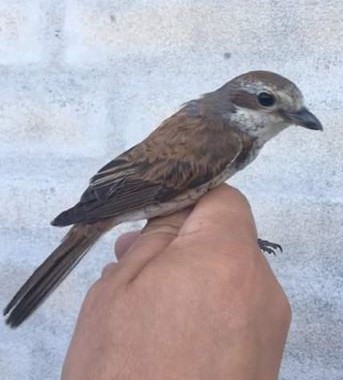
81,80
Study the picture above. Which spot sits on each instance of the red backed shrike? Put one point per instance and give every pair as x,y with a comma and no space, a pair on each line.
202,145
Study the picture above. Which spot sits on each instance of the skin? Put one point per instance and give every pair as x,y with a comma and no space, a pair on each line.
191,297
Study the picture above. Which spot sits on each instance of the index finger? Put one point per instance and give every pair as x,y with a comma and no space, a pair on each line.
223,212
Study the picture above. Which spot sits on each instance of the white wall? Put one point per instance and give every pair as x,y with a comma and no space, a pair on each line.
81,80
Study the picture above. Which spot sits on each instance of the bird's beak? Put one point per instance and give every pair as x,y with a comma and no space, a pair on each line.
305,118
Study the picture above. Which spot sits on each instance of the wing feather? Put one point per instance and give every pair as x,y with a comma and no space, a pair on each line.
183,153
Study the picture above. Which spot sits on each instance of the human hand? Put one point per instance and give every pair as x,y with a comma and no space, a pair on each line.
191,297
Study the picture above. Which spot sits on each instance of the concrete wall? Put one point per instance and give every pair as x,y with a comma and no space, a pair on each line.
81,80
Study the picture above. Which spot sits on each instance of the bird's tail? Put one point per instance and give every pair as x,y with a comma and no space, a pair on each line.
53,270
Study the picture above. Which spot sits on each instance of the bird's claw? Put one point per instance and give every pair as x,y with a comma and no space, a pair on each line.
269,247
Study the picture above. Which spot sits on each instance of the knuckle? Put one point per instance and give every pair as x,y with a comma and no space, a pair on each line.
108,269
94,291
240,198
235,197
92,298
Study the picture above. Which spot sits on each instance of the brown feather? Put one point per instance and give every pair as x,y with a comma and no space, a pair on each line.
161,167
53,270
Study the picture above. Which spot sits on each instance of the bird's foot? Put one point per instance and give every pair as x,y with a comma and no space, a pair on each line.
267,246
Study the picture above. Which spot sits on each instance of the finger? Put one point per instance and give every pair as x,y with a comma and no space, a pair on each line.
108,269
154,238
223,212
121,246
124,242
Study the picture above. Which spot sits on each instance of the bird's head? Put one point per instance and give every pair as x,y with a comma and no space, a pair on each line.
262,104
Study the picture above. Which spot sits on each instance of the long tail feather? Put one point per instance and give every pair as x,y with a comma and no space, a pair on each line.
52,271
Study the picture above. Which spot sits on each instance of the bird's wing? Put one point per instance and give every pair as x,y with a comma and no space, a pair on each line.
183,153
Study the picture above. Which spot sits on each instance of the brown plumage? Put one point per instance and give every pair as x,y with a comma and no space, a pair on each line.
197,148
145,175
54,269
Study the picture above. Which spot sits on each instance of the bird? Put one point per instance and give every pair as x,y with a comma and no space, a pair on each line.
199,147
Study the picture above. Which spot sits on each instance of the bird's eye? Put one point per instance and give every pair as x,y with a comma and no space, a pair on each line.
266,99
